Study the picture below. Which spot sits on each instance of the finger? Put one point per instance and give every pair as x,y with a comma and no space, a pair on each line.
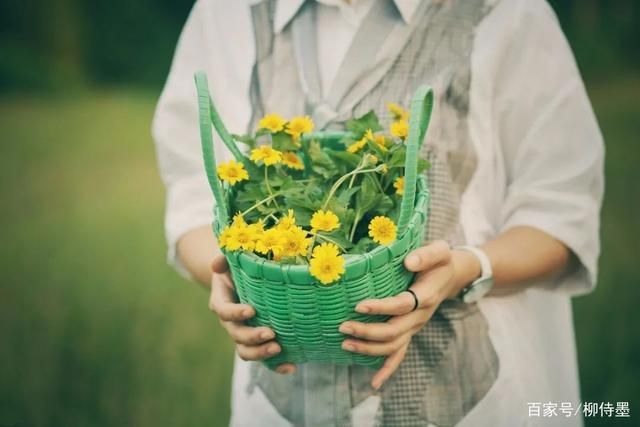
286,369
400,304
387,331
222,301
257,352
432,287
428,256
372,348
219,264
248,335
390,365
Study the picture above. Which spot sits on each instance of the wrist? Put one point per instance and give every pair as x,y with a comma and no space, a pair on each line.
467,269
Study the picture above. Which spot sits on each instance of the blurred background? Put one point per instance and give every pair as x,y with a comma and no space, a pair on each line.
95,329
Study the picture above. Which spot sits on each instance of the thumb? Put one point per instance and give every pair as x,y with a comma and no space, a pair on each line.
219,264
427,257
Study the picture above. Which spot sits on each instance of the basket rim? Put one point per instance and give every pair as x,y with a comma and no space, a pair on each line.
355,264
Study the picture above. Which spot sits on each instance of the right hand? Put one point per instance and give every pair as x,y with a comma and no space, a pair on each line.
251,343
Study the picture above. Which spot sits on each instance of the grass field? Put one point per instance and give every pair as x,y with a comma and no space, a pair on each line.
97,331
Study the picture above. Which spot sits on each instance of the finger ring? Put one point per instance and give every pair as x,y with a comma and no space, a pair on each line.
416,303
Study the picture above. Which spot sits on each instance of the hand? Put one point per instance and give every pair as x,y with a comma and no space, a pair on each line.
442,273
251,343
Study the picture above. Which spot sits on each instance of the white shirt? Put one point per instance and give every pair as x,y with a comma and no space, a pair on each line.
540,163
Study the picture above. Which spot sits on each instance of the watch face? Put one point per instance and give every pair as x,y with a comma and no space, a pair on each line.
477,290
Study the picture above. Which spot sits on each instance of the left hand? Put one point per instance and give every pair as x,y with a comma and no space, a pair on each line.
441,273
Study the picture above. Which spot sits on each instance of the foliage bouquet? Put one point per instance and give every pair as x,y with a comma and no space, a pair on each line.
312,222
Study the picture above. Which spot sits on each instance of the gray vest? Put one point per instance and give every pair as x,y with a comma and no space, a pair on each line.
441,379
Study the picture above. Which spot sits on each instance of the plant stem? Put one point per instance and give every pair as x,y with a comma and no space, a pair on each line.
266,181
260,203
356,220
330,240
342,179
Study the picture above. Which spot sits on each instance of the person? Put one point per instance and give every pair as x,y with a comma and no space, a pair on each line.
516,181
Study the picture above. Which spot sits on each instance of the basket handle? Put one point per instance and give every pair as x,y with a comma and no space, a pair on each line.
208,116
419,117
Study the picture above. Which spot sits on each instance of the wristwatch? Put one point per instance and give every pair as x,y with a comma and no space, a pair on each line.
479,287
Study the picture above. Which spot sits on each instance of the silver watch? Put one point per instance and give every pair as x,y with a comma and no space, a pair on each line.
481,286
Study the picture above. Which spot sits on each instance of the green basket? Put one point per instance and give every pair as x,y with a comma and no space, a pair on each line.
304,314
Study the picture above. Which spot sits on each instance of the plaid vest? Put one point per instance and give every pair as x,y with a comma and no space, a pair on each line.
451,363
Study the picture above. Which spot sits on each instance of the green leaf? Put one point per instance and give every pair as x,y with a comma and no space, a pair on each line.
303,216
360,125
384,205
252,193
376,149
336,237
245,139
344,195
282,141
367,197
350,159
423,165
255,172
363,245
321,163
303,202
398,157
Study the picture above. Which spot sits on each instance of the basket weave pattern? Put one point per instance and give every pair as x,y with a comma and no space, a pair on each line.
304,314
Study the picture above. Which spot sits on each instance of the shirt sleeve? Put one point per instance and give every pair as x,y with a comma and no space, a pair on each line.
551,144
175,129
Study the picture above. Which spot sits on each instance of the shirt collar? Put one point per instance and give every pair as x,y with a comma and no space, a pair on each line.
287,9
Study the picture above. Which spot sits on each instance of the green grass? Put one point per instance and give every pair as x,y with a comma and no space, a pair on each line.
97,330
606,324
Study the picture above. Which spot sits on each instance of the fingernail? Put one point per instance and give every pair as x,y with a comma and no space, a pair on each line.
376,384
346,329
348,346
412,261
273,349
246,312
363,309
285,370
266,335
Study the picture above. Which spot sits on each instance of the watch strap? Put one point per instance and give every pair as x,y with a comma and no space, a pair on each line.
485,263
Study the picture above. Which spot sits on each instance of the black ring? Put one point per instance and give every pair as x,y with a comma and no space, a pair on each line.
416,303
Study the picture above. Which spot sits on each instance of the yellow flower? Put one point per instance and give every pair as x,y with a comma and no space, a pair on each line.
398,184
357,146
257,229
224,237
381,141
294,241
240,236
372,159
238,219
397,111
292,161
326,265
299,125
384,168
287,221
232,172
324,221
267,154
273,122
399,129
382,230
270,240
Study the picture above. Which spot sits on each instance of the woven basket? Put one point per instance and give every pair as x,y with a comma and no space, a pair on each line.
304,314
